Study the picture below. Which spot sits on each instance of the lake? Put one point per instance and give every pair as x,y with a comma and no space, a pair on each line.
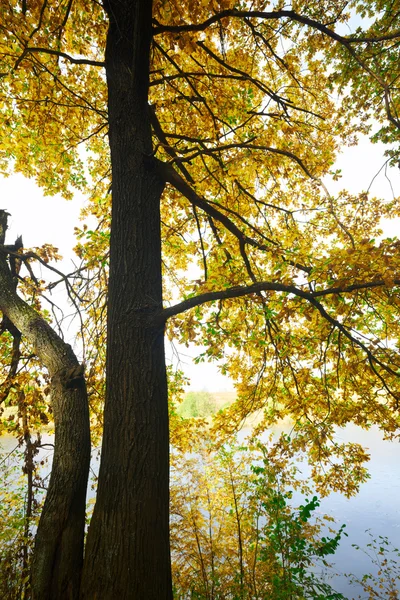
376,507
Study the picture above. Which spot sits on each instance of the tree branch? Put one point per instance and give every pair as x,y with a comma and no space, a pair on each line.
246,145
263,286
171,176
71,59
256,288
273,15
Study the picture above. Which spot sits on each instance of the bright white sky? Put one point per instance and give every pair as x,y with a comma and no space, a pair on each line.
44,219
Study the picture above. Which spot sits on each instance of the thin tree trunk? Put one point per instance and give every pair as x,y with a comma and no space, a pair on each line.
29,467
58,554
127,553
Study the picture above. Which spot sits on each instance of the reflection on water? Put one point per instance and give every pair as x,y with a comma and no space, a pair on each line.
376,507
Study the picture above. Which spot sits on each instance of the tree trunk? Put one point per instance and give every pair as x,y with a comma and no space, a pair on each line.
127,552
58,554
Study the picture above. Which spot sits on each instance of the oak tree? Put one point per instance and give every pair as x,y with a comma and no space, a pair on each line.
209,127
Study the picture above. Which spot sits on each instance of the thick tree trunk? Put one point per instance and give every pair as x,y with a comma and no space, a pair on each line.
58,554
127,552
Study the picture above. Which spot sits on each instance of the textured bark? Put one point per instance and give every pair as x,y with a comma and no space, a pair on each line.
127,553
58,553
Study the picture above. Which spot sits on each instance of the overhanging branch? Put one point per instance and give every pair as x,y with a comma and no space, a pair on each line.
272,15
311,297
265,286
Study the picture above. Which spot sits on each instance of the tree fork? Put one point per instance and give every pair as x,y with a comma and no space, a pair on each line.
127,553
58,553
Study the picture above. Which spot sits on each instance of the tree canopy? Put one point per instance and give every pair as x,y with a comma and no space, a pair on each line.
224,121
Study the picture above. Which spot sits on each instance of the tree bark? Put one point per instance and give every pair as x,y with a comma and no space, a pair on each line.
127,552
58,553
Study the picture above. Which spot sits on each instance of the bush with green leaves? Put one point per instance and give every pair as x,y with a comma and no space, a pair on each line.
237,535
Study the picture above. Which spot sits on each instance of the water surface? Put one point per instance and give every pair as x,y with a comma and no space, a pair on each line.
375,508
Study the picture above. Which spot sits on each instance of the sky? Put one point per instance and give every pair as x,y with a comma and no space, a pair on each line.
44,219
